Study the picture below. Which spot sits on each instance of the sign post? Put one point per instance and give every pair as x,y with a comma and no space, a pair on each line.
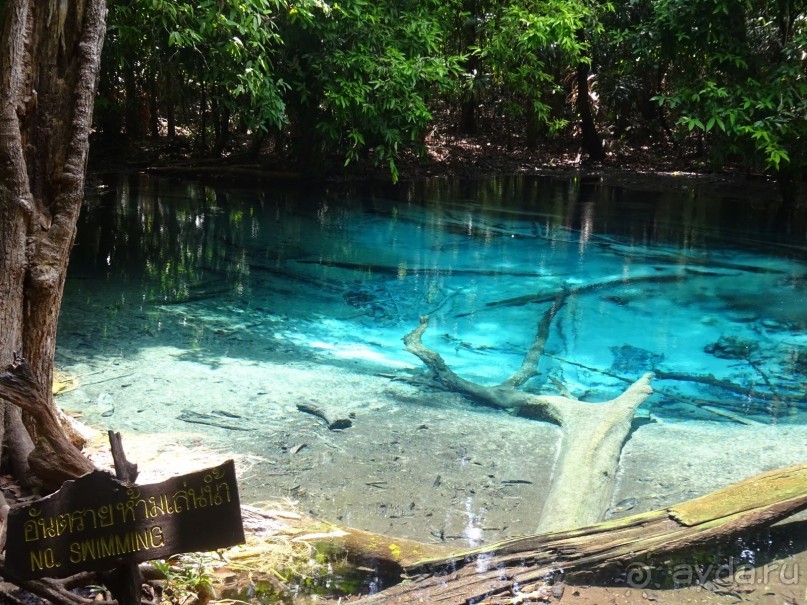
98,522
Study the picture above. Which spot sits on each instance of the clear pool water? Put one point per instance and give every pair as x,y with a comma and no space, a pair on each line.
239,303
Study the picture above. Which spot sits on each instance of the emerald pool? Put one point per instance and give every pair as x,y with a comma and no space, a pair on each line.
208,317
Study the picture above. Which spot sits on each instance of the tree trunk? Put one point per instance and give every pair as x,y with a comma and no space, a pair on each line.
531,127
256,143
221,125
171,101
469,14
592,142
584,476
134,130
49,63
203,116
154,113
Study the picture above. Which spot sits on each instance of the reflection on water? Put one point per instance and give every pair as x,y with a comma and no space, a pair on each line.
709,294
210,318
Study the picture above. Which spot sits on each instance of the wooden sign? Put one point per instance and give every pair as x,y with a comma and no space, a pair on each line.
97,522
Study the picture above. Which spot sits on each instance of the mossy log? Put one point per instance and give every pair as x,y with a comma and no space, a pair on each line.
361,547
485,575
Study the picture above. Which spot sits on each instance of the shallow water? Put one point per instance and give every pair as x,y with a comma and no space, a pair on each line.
189,303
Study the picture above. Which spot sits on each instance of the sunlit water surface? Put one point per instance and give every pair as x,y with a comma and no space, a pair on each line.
240,304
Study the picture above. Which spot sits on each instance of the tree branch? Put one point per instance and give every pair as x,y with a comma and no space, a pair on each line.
593,433
503,396
529,367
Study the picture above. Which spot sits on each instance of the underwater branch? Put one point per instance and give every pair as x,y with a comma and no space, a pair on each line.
593,434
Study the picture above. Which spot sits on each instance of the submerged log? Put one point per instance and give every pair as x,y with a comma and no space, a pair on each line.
593,434
483,574
543,297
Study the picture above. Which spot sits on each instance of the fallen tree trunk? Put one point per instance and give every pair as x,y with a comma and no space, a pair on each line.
485,575
593,434
584,475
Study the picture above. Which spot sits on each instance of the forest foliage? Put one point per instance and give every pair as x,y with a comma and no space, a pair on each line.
362,80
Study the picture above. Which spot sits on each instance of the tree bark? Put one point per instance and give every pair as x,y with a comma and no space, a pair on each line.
134,130
585,473
592,142
49,63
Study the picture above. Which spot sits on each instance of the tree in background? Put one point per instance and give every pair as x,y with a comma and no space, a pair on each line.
730,76
351,79
211,61
632,73
540,55
365,81
364,76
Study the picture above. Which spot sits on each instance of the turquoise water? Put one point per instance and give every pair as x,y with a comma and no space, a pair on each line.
236,305
710,294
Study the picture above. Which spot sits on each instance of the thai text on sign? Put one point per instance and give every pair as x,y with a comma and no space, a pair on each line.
97,522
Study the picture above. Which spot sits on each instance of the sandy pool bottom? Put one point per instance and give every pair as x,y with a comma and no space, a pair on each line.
419,464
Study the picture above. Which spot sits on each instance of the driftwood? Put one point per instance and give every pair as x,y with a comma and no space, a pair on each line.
592,433
333,419
485,575
125,582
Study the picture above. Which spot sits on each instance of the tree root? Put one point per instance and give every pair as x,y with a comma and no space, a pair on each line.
54,459
58,591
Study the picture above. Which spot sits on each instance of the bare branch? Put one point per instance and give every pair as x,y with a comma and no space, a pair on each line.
503,396
529,367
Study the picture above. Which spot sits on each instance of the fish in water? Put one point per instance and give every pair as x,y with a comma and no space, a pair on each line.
622,506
